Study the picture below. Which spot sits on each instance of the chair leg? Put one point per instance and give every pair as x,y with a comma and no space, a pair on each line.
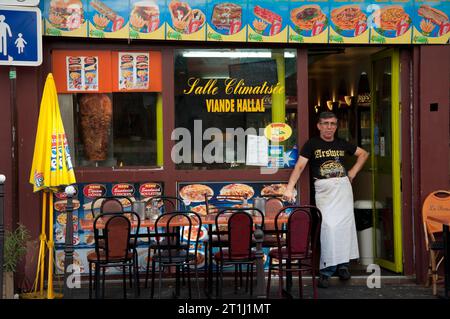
433,272
246,278
124,281
251,279
90,280
280,280
131,275
236,275
217,278
314,282
137,291
240,275
300,283
221,280
197,280
103,283
97,281
268,278
160,268
147,268
188,270
153,279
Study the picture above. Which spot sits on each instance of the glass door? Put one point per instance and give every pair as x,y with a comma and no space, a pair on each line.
386,160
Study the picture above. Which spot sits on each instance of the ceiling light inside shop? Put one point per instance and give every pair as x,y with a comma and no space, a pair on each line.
231,54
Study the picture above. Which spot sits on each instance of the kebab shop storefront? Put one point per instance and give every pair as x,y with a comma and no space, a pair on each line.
188,98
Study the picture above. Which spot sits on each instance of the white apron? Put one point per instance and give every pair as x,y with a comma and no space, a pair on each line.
338,239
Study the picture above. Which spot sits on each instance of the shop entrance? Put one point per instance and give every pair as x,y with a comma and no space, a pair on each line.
361,86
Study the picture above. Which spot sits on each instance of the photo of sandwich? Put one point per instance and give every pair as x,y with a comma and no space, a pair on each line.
306,16
433,20
145,16
196,192
274,190
66,14
237,190
224,14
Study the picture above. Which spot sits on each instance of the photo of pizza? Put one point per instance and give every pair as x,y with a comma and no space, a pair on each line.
195,192
273,190
241,190
347,17
389,18
202,211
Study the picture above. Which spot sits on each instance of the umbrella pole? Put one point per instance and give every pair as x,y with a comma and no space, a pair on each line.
50,294
42,239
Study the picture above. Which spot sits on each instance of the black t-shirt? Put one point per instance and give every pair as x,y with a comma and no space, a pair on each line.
326,159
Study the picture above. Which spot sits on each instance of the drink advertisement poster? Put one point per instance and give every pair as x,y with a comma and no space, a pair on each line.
227,21
133,71
87,203
82,73
186,20
147,19
390,22
267,21
431,22
108,19
308,21
65,18
349,22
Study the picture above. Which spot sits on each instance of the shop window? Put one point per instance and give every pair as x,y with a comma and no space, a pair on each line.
220,93
111,129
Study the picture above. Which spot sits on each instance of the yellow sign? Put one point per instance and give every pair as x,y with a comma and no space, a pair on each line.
278,132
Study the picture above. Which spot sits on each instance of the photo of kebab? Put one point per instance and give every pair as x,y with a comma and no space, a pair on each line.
107,12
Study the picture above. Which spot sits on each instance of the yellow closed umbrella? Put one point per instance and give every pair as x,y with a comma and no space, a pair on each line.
51,169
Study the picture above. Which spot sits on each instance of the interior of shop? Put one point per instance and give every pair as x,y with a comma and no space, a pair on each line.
340,80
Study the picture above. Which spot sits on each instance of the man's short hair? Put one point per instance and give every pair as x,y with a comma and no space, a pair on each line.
326,115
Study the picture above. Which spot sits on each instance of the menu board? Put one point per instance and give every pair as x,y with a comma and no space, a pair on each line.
85,206
391,22
133,71
267,21
431,22
186,20
65,18
227,21
279,21
147,19
349,22
108,18
308,21
82,73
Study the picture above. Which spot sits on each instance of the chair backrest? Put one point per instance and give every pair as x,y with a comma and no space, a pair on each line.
297,229
241,224
169,204
168,237
272,207
116,234
110,204
436,203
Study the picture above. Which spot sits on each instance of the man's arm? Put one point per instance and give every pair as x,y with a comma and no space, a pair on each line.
362,157
295,175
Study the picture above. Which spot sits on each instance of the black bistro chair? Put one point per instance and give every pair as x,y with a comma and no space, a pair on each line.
174,249
165,204
236,241
118,249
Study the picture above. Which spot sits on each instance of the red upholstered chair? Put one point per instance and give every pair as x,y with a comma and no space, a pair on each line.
118,248
236,249
272,207
297,246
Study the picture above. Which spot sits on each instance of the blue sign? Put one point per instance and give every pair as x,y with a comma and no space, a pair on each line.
20,36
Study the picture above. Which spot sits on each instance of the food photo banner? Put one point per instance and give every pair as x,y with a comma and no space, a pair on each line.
275,21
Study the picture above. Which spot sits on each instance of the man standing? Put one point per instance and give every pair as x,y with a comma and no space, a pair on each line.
334,195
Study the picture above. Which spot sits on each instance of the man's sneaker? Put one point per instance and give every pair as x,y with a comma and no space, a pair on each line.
344,274
322,282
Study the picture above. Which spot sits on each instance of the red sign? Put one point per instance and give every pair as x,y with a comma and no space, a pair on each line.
360,27
402,27
275,28
94,190
444,28
235,26
194,26
117,24
150,190
153,26
123,190
317,28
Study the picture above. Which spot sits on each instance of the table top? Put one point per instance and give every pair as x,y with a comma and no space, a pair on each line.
88,224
